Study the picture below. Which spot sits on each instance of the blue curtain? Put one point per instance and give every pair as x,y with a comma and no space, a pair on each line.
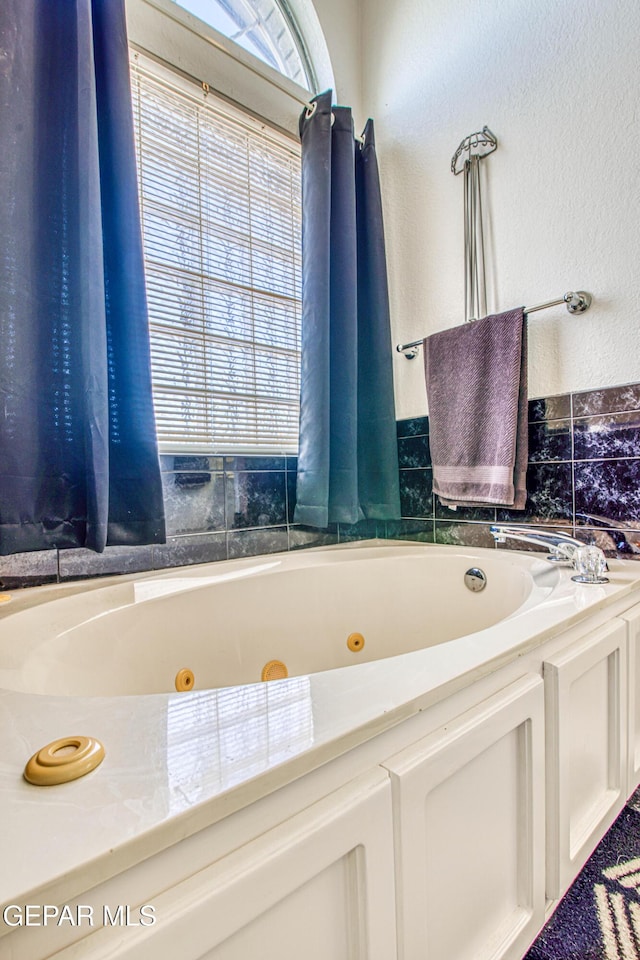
348,460
78,451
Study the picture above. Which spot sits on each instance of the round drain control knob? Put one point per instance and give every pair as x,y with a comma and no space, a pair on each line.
475,579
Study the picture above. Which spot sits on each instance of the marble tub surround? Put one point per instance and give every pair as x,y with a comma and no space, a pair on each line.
413,451
217,508
583,475
194,494
256,498
416,474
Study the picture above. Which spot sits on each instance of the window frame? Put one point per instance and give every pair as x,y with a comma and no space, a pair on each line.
265,32
166,31
179,41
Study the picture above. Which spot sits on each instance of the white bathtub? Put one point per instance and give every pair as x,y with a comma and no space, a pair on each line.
226,622
99,658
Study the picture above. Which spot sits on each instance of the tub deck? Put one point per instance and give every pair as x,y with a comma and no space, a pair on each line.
176,763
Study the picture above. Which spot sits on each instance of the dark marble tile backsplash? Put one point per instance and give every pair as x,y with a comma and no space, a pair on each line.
414,452
608,491
413,427
550,440
583,474
416,499
608,436
194,501
583,477
217,508
255,498
549,496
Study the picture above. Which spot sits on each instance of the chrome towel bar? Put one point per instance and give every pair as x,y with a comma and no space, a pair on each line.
576,302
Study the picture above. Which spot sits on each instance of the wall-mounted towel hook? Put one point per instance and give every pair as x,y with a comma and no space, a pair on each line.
479,144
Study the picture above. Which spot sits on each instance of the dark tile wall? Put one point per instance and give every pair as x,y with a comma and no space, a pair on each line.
216,508
583,476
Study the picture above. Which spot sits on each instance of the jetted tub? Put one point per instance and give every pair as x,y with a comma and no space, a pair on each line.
303,612
192,780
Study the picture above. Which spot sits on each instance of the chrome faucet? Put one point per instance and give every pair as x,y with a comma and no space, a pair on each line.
560,545
588,560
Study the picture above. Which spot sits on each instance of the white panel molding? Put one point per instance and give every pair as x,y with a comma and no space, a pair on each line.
494,752
586,781
343,839
632,618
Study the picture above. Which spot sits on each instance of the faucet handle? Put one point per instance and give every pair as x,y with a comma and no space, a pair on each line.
590,564
561,552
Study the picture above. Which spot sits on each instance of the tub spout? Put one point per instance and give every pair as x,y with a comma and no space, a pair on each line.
561,546
589,561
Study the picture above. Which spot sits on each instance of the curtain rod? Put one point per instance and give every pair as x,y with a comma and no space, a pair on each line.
577,302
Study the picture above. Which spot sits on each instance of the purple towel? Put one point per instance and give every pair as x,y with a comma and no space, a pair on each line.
477,391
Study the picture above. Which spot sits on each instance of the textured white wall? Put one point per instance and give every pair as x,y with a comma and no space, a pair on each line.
341,23
558,82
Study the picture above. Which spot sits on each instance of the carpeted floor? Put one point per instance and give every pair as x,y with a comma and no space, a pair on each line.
599,916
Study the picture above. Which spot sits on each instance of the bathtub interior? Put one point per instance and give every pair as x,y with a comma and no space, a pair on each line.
224,622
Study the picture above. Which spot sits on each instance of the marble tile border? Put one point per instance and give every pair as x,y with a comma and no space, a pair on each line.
252,543
29,569
556,407
463,534
81,564
187,550
589,403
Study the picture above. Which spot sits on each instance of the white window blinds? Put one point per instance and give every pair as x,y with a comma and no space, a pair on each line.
220,203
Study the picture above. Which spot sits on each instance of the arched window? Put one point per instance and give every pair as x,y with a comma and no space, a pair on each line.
265,28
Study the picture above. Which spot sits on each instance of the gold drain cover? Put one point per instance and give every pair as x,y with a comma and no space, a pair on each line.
274,670
64,760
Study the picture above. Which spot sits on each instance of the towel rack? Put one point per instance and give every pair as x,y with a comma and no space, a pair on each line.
479,144
576,301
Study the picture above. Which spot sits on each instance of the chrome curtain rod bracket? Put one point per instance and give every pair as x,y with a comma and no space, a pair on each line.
577,301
